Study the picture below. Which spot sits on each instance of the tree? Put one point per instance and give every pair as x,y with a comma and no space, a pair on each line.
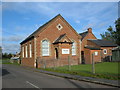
113,35
6,55
117,25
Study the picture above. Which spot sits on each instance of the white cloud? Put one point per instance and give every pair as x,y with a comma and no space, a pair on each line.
13,38
10,48
77,21
88,14
87,26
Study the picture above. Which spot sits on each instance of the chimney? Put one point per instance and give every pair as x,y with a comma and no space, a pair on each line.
90,30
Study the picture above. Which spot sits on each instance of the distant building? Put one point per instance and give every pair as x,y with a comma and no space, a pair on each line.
116,54
102,49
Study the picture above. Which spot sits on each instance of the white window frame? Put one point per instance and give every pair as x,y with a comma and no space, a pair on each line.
30,50
45,49
96,53
26,51
23,51
74,48
58,26
105,50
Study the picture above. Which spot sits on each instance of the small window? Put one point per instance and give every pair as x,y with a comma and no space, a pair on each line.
105,51
96,53
59,26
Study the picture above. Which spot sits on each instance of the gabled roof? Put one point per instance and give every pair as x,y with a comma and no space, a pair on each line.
43,26
59,39
40,28
103,43
83,34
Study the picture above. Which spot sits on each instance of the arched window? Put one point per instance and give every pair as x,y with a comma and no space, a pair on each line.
45,48
74,48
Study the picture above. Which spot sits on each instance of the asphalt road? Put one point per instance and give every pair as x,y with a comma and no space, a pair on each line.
14,76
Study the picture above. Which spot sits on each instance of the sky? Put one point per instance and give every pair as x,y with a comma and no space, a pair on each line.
20,19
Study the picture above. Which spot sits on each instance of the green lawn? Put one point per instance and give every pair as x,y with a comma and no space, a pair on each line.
106,67
7,61
107,70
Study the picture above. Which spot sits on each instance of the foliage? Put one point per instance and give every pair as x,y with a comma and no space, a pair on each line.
6,55
117,25
113,35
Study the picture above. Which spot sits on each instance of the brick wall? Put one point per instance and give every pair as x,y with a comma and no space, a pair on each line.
51,33
90,35
88,56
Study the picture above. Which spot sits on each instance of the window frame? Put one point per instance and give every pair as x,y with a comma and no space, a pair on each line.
96,53
48,48
59,28
23,55
73,54
104,51
30,50
26,52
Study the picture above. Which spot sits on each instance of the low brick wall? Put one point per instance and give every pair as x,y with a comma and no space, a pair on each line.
42,63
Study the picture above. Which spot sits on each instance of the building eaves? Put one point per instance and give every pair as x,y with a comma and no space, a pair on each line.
40,28
83,34
103,43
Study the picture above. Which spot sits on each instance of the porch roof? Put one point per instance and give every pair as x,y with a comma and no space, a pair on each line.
59,39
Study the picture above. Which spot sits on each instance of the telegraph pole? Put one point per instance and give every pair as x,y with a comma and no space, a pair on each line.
93,64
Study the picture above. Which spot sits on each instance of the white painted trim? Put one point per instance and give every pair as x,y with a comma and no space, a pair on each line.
49,47
30,50
34,52
26,51
75,48
23,55
104,50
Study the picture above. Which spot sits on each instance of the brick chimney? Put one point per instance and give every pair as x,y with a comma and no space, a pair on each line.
89,30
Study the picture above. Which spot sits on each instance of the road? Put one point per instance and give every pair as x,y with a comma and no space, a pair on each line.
14,76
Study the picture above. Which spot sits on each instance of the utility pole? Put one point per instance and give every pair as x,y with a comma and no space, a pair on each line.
93,64
69,66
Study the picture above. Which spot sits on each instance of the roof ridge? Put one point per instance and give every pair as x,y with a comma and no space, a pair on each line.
33,34
83,32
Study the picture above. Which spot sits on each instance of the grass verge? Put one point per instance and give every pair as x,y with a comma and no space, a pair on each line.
107,70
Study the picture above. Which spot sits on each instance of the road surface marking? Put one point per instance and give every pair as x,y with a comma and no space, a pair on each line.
32,84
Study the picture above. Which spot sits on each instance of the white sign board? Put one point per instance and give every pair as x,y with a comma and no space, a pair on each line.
65,51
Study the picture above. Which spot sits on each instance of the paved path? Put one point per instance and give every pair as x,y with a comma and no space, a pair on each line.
14,76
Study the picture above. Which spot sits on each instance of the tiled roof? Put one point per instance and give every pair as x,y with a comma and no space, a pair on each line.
40,28
92,48
103,43
60,38
83,34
